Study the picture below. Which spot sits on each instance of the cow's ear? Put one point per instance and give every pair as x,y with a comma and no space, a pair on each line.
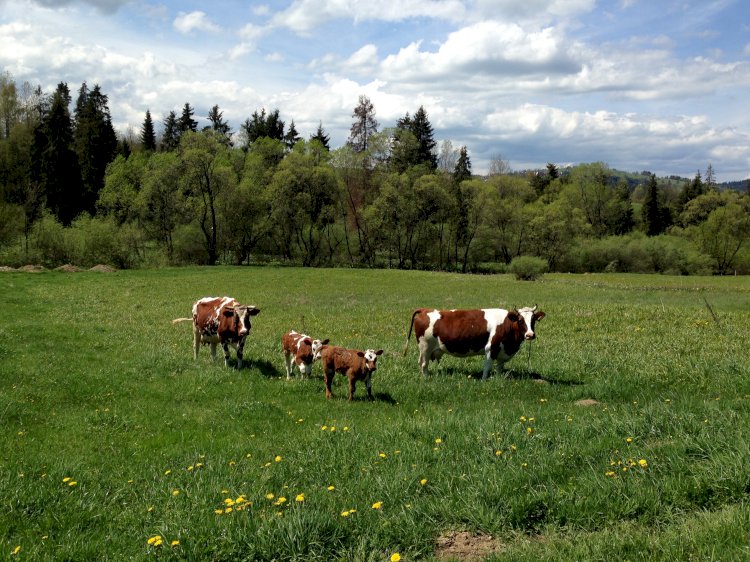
252,311
513,316
361,353
308,341
228,312
539,315
379,352
325,341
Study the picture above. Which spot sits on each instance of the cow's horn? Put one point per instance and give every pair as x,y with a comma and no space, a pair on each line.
535,307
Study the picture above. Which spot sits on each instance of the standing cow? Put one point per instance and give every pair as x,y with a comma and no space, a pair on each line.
355,364
495,333
220,320
300,350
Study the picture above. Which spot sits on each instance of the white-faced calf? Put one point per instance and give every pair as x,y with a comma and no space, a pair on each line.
355,364
300,350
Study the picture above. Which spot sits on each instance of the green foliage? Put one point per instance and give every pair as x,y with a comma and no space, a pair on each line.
114,435
528,268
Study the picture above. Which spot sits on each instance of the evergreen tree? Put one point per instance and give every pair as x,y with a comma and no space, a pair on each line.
364,126
321,137
654,215
463,167
54,163
171,138
261,125
216,118
692,190
414,143
422,130
148,136
292,136
186,122
95,142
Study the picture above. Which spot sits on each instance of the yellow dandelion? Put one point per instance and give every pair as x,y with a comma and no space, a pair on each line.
522,418
218,511
232,463
438,440
345,513
175,493
190,468
174,543
229,510
150,508
395,557
72,483
16,550
382,455
155,540
281,501
333,428
331,488
198,465
377,505
67,479
629,440
270,496
346,428
228,501
323,428
167,472
277,458
529,430
609,473
423,482
643,463
498,452
300,498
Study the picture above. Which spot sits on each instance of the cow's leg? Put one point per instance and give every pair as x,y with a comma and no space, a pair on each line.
368,382
240,353
328,376
487,367
213,350
196,343
288,364
424,356
352,387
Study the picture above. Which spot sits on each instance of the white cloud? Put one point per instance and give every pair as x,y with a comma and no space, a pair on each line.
185,23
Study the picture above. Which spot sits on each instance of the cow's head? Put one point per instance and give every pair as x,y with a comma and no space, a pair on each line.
528,317
240,318
371,358
317,347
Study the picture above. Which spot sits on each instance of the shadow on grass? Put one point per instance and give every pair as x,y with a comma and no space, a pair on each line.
450,371
266,368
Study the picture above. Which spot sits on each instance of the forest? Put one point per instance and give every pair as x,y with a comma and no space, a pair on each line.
74,191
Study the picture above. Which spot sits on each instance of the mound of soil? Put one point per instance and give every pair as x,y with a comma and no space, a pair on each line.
464,546
32,268
69,268
103,268
587,402
7,268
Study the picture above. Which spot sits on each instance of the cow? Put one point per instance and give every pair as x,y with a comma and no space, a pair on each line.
495,333
301,350
355,364
220,320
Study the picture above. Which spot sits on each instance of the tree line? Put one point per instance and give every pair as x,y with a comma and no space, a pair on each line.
72,192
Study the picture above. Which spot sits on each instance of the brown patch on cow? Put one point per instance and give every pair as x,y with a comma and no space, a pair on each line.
587,402
32,268
465,546
102,268
69,268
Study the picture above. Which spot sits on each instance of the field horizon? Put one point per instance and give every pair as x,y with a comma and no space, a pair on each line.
620,433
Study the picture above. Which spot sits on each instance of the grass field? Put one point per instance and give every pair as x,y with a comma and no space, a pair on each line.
116,445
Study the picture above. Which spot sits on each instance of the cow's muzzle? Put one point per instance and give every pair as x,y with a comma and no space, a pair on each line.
529,336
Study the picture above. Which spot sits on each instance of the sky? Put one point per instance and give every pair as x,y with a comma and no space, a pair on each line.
658,85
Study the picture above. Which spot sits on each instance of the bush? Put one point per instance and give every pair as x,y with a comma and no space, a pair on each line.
528,268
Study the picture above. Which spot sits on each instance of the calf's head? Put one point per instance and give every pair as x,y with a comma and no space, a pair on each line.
317,346
371,358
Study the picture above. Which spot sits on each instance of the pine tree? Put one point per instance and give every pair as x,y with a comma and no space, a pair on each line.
364,126
292,136
216,118
186,122
148,136
321,137
171,137
261,125
462,170
653,213
422,130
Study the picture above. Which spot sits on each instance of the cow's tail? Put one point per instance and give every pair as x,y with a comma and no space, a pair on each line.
178,320
408,336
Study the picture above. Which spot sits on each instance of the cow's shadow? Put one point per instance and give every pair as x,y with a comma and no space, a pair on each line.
531,375
265,368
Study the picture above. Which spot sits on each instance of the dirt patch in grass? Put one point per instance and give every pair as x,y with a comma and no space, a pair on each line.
103,268
465,546
69,268
4,268
587,402
32,268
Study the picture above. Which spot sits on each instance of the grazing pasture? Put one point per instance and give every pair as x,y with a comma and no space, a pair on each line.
622,432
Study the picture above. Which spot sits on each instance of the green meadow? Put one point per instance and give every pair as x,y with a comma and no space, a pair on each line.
621,433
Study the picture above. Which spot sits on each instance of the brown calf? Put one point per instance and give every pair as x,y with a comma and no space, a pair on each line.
300,350
356,365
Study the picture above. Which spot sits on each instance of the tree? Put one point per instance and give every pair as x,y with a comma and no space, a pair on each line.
54,163
186,123
418,146
217,124
462,171
10,110
261,125
364,126
654,214
95,142
148,136
321,136
292,136
160,200
710,179
171,138
447,157
499,165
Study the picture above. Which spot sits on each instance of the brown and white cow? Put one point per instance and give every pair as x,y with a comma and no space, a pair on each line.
495,333
220,320
355,364
300,350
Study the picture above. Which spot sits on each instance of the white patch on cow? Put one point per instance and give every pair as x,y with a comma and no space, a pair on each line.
494,317
528,314
370,355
